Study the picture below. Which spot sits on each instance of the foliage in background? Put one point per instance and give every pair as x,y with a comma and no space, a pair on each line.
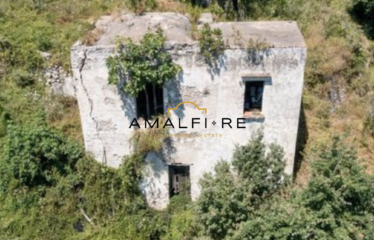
46,179
140,6
241,10
62,113
34,156
4,117
28,27
50,190
211,44
68,195
336,204
22,78
181,219
231,197
340,194
368,129
363,10
258,169
146,63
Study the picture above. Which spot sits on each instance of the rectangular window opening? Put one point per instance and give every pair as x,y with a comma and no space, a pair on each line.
150,102
253,96
179,180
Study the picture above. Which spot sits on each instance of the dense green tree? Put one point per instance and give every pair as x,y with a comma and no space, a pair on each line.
4,117
48,185
223,202
363,10
181,219
231,196
36,155
336,204
245,9
264,172
340,193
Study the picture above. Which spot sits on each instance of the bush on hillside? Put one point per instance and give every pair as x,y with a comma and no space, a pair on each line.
369,119
139,6
264,172
243,9
48,185
36,155
181,219
229,197
22,78
4,117
336,204
363,10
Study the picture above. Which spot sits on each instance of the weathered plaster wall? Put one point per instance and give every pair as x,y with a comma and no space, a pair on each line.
224,98
106,112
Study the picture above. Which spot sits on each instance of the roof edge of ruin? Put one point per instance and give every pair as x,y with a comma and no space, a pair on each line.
79,46
177,27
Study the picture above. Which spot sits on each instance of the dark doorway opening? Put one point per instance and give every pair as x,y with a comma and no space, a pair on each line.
150,102
179,180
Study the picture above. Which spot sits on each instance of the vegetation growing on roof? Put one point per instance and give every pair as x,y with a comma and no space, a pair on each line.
140,64
258,44
211,44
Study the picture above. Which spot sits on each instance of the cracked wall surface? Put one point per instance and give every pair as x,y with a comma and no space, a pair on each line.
106,111
101,106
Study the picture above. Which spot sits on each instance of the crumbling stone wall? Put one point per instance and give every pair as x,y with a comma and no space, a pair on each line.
106,111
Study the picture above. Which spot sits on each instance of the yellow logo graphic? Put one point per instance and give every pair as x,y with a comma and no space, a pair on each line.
184,103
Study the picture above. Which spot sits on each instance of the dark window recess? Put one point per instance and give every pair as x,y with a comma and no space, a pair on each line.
253,96
150,102
179,180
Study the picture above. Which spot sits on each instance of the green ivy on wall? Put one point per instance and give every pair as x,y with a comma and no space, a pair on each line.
145,63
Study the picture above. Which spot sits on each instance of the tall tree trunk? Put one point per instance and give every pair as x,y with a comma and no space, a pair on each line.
235,5
154,98
236,9
147,103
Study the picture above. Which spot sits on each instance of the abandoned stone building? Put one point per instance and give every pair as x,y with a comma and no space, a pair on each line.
263,89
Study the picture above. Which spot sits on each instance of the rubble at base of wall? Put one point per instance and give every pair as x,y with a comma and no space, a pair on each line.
59,81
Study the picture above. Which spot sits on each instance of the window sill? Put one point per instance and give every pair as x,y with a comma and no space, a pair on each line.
253,115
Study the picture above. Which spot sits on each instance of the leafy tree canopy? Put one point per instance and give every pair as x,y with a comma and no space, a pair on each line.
363,10
231,196
336,204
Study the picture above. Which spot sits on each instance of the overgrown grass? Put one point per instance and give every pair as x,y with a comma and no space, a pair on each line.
95,198
62,113
150,139
339,76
